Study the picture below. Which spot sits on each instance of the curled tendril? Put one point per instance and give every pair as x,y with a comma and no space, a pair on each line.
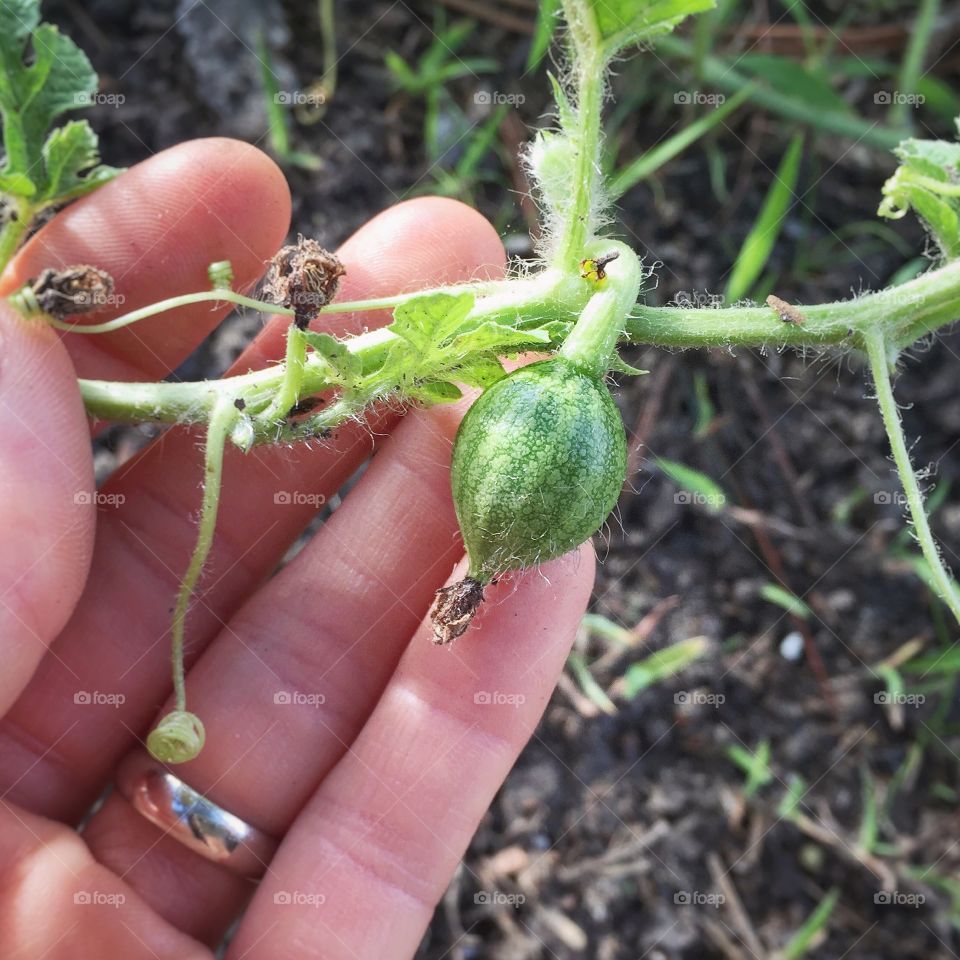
221,275
178,737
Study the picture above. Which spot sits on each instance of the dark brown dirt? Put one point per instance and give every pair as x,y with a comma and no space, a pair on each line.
617,836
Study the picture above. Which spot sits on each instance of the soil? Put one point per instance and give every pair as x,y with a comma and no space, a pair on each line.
629,835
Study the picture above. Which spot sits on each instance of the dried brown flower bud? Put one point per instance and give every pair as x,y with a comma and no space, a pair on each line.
71,291
303,277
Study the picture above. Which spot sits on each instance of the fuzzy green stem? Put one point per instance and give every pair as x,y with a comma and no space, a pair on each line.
590,67
524,303
880,362
222,418
905,313
288,395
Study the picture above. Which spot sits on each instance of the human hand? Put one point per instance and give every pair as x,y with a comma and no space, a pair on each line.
333,723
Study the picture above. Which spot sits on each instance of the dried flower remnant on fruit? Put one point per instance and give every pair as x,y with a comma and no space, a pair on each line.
454,608
71,291
786,311
303,277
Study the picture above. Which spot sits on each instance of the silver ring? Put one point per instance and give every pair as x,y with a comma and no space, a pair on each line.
198,823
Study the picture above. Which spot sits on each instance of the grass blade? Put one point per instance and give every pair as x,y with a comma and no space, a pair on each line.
760,242
803,939
911,68
651,161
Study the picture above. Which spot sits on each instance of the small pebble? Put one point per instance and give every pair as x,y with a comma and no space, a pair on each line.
791,646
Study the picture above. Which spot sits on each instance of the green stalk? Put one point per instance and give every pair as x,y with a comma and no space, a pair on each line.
911,69
222,419
905,313
179,736
590,73
880,362
291,385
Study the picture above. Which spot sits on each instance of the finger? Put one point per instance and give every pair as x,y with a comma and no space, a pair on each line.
46,508
144,541
155,229
366,862
59,904
290,682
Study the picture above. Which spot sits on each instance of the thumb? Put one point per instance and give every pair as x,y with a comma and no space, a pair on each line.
47,508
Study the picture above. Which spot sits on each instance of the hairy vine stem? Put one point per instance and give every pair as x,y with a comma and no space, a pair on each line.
881,358
903,313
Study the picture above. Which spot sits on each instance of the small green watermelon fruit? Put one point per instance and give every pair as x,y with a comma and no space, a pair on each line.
538,464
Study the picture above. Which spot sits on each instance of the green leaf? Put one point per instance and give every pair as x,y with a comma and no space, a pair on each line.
704,491
346,366
810,931
43,74
762,238
435,391
784,598
18,184
72,162
927,181
480,372
619,365
588,684
547,22
490,334
755,765
663,664
429,320
624,22
789,804
794,80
